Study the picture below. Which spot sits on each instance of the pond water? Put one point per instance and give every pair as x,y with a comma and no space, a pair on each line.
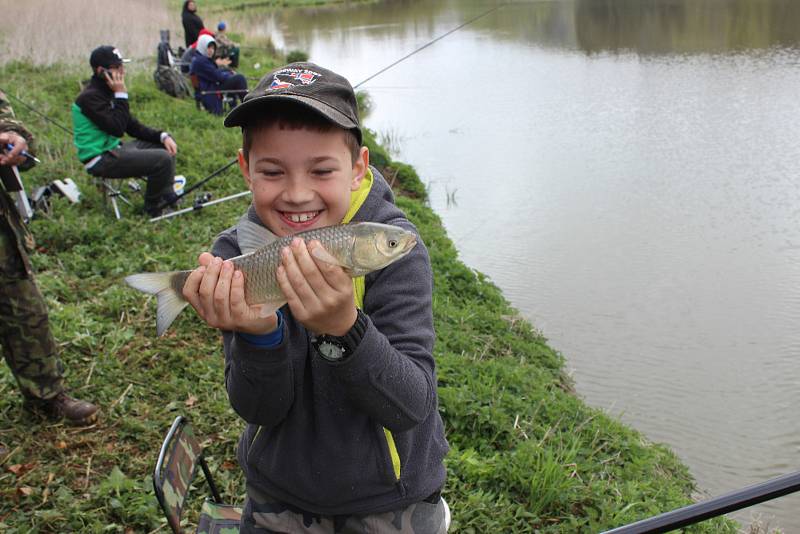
628,172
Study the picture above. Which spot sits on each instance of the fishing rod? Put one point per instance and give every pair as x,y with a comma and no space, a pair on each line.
42,115
730,502
165,203
198,205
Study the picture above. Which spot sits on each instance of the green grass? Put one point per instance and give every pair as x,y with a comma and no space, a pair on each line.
527,455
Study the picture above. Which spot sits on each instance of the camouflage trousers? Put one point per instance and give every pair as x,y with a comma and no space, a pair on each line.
264,514
25,338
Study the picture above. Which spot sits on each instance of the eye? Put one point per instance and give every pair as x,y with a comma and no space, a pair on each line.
392,243
270,173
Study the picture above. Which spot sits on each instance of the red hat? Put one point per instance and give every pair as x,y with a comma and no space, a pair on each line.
204,31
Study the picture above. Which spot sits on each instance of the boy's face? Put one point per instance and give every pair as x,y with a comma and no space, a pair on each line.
301,179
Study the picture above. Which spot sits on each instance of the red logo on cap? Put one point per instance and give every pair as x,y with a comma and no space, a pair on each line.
277,84
284,78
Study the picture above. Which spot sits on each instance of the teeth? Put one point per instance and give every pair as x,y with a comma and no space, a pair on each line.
301,217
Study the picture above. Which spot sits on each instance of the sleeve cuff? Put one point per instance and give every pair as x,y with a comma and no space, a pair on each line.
121,95
267,341
164,135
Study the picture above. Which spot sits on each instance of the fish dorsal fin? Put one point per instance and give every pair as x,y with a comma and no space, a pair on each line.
252,236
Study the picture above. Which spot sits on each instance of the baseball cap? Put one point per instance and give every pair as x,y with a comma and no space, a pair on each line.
106,56
310,85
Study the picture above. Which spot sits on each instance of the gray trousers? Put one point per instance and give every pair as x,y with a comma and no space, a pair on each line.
263,514
140,158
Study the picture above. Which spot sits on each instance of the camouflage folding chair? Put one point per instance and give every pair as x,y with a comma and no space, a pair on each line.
175,470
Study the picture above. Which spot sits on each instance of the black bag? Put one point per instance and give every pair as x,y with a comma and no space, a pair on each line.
171,81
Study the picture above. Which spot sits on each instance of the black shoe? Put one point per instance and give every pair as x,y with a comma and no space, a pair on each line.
167,204
62,406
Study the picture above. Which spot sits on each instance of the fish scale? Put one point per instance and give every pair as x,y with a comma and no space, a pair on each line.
260,267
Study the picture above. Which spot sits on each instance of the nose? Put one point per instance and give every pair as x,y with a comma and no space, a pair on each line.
298,192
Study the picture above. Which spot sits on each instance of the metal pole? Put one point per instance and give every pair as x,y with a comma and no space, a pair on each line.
223,91
198,207
694,513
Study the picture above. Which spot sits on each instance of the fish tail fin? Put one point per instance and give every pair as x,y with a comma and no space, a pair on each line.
170,304
167,288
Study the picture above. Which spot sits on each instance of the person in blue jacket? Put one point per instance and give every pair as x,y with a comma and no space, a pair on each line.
213,79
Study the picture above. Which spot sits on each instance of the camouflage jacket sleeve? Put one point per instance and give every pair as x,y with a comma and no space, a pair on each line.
8,122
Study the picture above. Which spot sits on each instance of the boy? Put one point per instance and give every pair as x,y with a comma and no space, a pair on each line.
339,386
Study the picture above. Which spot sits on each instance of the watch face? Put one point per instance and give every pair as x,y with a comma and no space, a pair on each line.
330,351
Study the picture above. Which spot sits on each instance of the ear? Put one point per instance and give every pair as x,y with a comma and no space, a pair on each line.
360,167
244,166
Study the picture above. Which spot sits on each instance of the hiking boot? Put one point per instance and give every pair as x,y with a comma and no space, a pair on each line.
62,406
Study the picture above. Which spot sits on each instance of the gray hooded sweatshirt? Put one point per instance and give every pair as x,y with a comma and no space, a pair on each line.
325,436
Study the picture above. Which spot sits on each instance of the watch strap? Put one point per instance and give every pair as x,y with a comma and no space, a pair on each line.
352,339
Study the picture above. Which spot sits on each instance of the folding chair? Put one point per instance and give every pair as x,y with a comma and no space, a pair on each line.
175,470
112,193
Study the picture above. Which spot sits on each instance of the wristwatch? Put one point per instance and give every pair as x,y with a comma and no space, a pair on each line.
339,348
330,348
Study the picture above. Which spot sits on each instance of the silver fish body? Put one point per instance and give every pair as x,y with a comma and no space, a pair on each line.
359,248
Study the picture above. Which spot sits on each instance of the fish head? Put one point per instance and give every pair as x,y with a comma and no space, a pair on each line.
378,245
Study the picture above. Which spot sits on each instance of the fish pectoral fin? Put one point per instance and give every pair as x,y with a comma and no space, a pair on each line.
267,308
323,255
251,236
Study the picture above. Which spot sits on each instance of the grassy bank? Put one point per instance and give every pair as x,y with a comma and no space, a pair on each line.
527,455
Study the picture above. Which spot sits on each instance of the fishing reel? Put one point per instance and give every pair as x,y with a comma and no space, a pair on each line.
201,199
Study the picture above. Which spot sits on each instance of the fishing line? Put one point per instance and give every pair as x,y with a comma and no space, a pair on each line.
429,43
42,115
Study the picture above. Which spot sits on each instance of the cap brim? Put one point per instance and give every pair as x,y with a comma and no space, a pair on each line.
238,116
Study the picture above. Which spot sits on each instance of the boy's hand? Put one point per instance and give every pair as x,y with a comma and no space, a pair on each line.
319,294
216,292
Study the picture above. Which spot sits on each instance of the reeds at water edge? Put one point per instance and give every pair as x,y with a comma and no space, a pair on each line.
43,32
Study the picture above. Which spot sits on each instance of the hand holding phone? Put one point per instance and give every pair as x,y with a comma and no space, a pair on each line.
115,78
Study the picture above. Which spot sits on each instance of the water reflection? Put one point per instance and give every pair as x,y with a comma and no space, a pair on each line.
640,26
686,27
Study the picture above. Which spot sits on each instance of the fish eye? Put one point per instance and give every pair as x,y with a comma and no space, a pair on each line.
392,243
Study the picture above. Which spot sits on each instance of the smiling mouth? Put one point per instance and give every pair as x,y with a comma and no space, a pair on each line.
299,217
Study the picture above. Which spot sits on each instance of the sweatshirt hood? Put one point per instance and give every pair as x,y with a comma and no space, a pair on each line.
202,43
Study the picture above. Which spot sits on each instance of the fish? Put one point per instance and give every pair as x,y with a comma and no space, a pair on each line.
359,248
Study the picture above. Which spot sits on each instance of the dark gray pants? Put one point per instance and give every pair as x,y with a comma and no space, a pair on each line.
263,514
140,158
